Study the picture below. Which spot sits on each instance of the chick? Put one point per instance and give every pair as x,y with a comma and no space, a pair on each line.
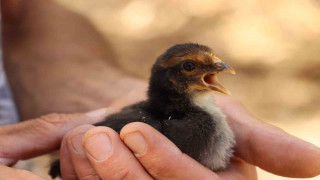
180,105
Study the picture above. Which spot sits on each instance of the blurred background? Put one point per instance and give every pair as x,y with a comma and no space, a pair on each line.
272,44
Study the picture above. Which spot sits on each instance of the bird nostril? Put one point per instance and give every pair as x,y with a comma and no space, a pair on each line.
219,66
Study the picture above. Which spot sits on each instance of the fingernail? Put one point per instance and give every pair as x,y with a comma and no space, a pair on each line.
100,112
136,142
76,143
98,146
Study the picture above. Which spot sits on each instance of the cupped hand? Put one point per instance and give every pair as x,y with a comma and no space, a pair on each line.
36,137
141,152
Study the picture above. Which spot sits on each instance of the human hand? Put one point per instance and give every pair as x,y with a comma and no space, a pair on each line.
267,146
141,152
36,137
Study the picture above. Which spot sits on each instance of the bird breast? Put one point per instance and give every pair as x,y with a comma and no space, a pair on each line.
218,155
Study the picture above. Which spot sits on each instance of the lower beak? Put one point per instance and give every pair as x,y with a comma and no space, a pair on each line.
211,79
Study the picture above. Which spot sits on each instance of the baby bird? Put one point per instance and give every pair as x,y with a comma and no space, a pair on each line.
180,105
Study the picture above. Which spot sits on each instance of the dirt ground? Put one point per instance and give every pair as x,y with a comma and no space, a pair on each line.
272,44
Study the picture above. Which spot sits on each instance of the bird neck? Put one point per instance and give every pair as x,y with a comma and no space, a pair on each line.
164,98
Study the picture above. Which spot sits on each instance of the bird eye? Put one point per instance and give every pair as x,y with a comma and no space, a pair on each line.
189,66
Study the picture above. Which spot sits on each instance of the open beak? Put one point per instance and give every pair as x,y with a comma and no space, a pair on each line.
211,80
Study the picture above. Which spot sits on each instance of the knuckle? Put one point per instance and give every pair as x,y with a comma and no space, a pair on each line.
54,118
78,130
89,176
124,175
118,173
158,168
48,124
51,122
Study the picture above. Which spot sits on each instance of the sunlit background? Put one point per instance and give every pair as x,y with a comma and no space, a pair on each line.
272,44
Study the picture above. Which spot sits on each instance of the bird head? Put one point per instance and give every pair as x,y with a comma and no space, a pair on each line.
188,68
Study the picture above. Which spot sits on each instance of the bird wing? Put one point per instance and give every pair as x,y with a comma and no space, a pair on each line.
129,114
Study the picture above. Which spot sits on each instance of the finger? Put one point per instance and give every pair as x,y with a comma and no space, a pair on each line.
110,157
239,170
66,168
74,163
267,146
275,151
159,156
42,135
7,173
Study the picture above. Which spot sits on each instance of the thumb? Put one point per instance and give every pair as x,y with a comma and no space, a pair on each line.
159,156
41,135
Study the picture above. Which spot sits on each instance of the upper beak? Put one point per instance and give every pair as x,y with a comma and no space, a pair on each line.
223,67
210,79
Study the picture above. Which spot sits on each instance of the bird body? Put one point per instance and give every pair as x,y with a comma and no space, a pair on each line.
197,127
180,105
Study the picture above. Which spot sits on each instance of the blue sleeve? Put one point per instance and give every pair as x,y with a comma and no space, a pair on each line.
8,112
